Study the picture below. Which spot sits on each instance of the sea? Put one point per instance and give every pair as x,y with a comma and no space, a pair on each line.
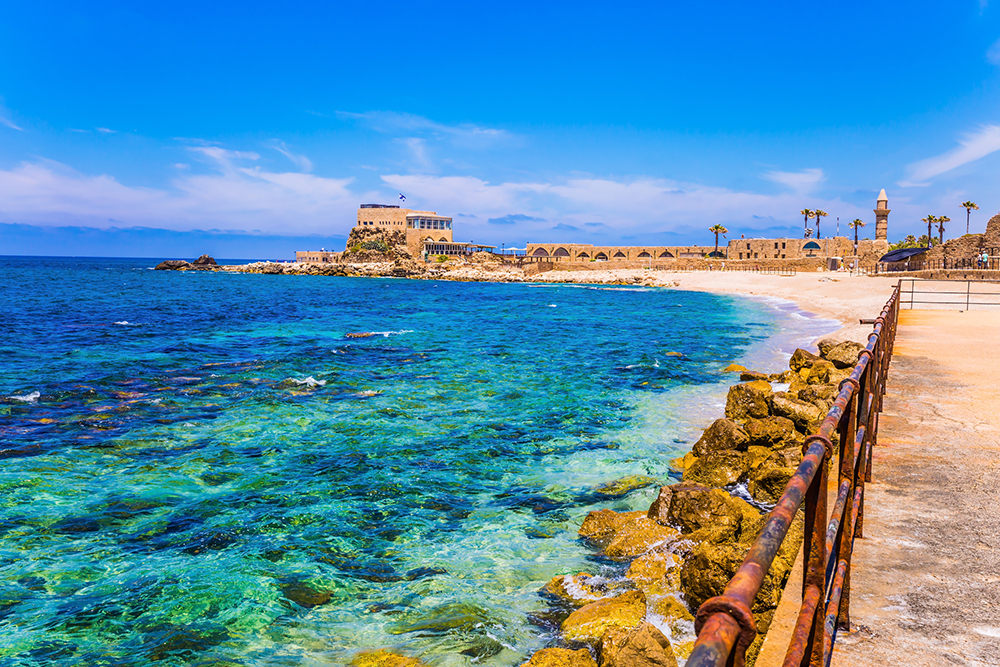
208,469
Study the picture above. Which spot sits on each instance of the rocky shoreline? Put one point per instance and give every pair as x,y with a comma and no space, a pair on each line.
694,536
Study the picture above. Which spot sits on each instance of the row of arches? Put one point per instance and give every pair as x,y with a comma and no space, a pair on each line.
562,252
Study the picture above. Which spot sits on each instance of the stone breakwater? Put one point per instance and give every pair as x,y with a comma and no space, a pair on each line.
685,548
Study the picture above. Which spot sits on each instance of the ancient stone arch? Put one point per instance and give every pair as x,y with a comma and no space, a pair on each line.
444,240
540,252
583,255
644,254
600,255
561,252
619,255
666,253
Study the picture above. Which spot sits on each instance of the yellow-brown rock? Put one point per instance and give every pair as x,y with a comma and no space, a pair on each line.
683,650
561,657
718,469
643,646
770,431
621,487
802,359
588,624
576,589
601,525
724,434
656,572
384,658
749,400
638,536
819,372
682,463
675,615
734,368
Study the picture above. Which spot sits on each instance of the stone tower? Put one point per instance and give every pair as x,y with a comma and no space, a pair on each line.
882,217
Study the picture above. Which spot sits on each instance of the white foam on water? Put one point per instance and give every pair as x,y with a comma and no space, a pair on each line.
309,382
386,334
28,398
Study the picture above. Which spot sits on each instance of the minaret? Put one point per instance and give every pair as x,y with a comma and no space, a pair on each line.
882,217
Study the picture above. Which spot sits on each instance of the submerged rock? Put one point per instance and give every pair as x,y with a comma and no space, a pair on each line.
304,594
638,536
561,657
360,334
723,434
575,589
623,486
749,400
656,572
588,624
642,646
384,658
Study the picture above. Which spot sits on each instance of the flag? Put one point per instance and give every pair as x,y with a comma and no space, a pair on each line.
402,197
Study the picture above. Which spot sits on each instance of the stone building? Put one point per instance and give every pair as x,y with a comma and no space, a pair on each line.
420,226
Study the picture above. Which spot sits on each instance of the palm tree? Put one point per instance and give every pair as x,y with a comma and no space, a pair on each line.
854,225
807,213
930,220
717,229
940,223
819,213
969,207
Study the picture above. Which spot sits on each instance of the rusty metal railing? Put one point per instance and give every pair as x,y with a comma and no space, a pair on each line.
725,624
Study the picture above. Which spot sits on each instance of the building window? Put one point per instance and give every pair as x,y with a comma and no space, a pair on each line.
782,247
782,257
775,245
755,255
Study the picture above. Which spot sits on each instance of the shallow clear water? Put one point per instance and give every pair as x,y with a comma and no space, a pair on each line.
185,453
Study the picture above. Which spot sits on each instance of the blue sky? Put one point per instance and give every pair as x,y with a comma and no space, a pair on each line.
248,128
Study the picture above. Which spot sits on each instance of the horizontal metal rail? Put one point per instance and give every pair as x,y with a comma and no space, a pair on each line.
725,623
911,288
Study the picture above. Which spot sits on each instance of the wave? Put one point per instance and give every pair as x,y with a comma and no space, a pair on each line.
309,382
126,323
28,398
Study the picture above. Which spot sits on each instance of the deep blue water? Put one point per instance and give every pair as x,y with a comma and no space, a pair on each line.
188,456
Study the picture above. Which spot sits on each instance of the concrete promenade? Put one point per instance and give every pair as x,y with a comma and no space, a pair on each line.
926,578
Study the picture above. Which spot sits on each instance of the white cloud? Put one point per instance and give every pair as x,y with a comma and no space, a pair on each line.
993,53
798,181
972,147
391,122
300,161
104,130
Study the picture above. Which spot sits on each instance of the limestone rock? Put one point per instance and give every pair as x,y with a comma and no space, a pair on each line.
561,657
656,572
717,469
601,525
638,536
767,484
173,265
575,589
643,646
787,457
747,376
770,432
384,658
723,434
802,359
734,368
693,507
659,511
205,260
675,615
682,463
805,415
844,355
819,372
588,624
708,568
826,345
623,486
749,400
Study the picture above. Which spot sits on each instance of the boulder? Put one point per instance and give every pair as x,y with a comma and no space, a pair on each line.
623,486
588,624
819,372
717,469
561,657
757,456
694,507
802,359
576,590
204,260
708,568
383,658
642,646
659,511
601,525
675,615
723,434
656,572
844,355
749,400
766,484
173,265
747,376
734,368
770,431
826,345
787,457
806,416
682,463
637,537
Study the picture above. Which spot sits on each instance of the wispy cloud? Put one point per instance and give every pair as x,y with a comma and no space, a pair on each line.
104,130
798,181
392,122
300,161
513,219
6,118
972,147
993,53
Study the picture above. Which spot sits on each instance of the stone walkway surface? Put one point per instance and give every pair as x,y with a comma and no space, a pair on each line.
926,578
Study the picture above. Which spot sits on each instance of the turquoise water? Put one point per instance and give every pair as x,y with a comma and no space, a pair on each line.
201,469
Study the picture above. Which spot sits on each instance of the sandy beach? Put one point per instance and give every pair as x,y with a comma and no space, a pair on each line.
837,296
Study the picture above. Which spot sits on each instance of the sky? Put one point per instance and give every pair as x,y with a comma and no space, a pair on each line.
256,129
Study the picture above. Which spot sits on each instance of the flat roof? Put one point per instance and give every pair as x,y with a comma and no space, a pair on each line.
456,243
